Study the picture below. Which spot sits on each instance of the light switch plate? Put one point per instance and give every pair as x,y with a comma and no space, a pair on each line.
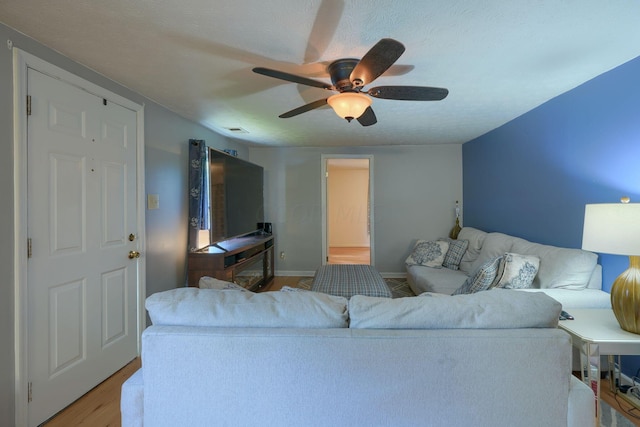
153,201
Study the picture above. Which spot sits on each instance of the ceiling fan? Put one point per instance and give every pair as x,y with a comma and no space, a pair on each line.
349,76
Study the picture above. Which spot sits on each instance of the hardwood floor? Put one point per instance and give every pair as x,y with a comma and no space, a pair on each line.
351,255
100,407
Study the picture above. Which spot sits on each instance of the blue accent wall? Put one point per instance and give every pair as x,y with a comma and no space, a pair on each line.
532,176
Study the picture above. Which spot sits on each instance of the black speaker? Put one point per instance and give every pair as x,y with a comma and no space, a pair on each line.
266,227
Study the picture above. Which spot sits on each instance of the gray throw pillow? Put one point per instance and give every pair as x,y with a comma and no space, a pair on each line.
454,254
482,279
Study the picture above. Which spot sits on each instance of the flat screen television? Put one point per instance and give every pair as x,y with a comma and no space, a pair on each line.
236,196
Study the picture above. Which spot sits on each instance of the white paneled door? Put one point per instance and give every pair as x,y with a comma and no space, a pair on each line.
82,268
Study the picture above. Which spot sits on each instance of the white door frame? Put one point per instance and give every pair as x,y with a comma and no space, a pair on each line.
325,231
21,62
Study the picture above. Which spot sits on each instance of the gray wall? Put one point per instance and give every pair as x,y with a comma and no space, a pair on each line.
166,174
415,189
166,137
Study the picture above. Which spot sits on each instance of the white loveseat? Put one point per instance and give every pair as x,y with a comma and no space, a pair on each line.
229,358
571,276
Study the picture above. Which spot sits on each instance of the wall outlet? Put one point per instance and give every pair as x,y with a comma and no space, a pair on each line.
282,255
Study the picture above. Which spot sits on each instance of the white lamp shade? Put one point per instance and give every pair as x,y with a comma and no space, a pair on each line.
612,228
349,104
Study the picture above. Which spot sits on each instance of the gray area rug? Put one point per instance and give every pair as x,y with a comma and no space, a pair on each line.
399,287
612,418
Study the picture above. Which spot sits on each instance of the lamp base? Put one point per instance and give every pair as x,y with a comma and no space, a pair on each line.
625,297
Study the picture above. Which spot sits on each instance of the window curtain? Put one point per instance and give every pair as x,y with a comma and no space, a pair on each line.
198,192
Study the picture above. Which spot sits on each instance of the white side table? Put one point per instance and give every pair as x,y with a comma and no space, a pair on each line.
596,332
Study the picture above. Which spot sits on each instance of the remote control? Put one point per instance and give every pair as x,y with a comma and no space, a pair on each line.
565,316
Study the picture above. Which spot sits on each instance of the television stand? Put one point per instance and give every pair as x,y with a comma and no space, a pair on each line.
246,260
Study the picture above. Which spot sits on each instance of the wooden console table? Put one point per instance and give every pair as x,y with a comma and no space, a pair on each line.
246,260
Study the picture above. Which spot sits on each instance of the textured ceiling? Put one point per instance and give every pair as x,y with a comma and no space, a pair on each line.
499,59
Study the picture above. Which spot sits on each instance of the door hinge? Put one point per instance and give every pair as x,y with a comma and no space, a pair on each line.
29,248
28,105
29,391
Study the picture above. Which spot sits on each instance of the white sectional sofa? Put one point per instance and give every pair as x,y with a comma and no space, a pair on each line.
571,276
230,358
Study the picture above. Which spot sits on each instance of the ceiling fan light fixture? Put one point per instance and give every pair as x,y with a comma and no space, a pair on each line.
349,105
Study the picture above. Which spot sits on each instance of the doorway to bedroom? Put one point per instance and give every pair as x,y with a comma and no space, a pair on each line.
347,209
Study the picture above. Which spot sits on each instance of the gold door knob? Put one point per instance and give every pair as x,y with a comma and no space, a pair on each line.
134,254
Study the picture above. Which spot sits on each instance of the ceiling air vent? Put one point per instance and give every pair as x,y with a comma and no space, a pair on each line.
237,130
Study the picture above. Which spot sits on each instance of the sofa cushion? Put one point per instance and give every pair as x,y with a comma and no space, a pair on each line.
211,307
428,253
454,254
494,245
517,271
494,309
576,298
559,267
442,280
475,238
482,279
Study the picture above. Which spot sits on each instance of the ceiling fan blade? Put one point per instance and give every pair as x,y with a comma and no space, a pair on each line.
375,62
323,29
409,93
307,107
292,78
398,70
367,118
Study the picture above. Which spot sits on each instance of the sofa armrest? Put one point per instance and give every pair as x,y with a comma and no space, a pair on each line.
132,401
582,405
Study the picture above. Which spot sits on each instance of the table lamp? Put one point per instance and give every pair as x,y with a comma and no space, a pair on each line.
614,228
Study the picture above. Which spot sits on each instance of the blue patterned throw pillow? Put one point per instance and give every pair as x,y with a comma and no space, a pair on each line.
456,251
518,271
428,253
482,280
